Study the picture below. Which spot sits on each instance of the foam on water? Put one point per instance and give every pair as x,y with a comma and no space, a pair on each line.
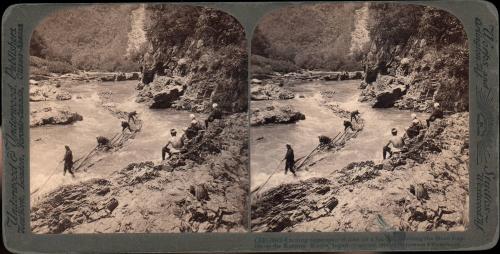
80,136
267,152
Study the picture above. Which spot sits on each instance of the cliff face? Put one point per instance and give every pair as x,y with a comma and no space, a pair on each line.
426,49
204,49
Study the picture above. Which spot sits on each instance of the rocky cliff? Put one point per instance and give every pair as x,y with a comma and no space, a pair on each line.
426,49
199,50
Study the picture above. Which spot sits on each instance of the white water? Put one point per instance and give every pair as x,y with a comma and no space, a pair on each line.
303,135
81,136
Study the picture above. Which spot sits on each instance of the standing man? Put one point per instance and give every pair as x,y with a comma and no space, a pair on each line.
215,114
68,161
397,144
289,157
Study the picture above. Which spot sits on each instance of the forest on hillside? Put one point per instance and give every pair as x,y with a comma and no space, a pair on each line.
307,37
85,38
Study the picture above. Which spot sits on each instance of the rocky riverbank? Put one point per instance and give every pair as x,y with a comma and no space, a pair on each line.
177,195
423,189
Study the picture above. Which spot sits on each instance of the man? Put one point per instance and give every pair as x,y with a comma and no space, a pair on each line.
126,125
175,142
215,114
324,140
103,142
289,157
415,127
397,144
347,124
132,115
192,131
196,123
68,161
436,113
355,115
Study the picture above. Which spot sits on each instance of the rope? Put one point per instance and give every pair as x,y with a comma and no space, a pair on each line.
307,157
42,185
85,158
275,171
262,185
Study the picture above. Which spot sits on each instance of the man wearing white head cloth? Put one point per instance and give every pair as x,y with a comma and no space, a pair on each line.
415,127
215,114
436,113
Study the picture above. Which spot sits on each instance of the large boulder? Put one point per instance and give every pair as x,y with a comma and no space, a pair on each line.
275,114
384,92
51,115
162,92
387,98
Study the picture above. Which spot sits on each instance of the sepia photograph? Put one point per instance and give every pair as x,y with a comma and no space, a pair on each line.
138,120
359,118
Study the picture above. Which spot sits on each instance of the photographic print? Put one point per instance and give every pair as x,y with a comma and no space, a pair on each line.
359,119
138,120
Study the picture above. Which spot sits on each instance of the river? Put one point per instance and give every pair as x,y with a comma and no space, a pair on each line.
47,142
268,142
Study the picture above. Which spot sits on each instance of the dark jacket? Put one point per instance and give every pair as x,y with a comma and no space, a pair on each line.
102,140
215,114
289,156
324,139
68,157
437,113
